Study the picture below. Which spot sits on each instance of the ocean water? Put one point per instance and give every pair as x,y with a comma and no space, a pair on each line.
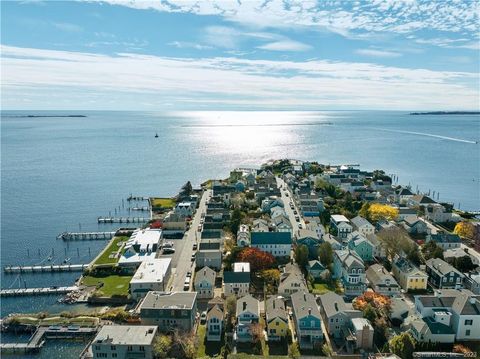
60,174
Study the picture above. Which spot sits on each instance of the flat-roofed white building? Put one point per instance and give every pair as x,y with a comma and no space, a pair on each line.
142,245
122,342
241,267
152,274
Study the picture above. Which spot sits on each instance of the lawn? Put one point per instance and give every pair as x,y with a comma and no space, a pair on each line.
207,349
163,202
80,321
201,332
113,246
112,285
322,288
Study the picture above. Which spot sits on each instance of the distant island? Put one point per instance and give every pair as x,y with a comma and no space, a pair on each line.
446,113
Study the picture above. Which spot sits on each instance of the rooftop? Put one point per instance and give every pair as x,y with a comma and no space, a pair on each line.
169,300
271,238
152,270
339,218
126,335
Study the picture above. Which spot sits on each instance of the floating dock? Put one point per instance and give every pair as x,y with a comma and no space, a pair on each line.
137,198
36,291
122,220
50,268
88,236
144,209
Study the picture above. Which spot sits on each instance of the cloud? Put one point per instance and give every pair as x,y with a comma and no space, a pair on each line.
186,45
64,26
79,78
378,53
285,45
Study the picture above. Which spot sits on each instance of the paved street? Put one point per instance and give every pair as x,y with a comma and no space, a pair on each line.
288,210
182,262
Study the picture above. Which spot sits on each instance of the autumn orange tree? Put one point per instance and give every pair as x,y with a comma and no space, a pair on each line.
464,229
379,302
259,260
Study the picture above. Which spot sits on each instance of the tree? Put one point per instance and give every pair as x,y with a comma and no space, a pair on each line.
413,255
364,211
293,351
257,332
161,346
301,255
394,240
325,254
432,250
184,345
377,212
465,229
235,220
231,305
380,332
187,189
258,259
379,302
369,313
464,264
402,345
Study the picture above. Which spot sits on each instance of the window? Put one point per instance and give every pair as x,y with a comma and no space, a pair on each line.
142,348
129,348
468,321
114,355
113,347
467,332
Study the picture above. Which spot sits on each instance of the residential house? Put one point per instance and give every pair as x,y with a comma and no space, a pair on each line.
271,202
404,212
349,267
315,269
169,311
260,225
327,237
442,275
276,318
185,209
307,320
214,324
205,282
250,178
152,274
363,226
309,239
341,224
400,310
209,254
243,236
403,195
291,281
450,255
408,275
456,308
445,240
248,314
362,332
378,248
358,242
278,244
123,342
382,281
141,246
173,223
236,283
420,200
337,314
414,225
438,213
472,282
434,329
282,223
240,186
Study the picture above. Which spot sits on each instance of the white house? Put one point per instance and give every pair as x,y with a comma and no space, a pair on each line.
236,283
248,314
185,209
205,282
341,224
152,274
243,236
363,226
279,244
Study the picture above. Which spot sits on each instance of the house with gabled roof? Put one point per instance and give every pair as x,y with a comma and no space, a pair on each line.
414,225
260,225
420,200
276,318
214,324
248,314
336,313
348,266
291,281
341,224
243,236
362,225
358,242
282,223
408,275
381,281
236,283
309,239
445,240
205,282
315,269
307,320
443,275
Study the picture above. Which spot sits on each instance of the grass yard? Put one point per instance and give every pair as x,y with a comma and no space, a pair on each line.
113,247
322,288
207,349
112,284
163,202
80,321
201,333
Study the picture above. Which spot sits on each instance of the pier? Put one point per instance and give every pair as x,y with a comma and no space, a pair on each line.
122,220
137,198
74,236
37,340
143,209
49,268
36,291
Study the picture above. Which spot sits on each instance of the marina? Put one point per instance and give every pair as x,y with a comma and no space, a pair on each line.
74,236
122,220
36,291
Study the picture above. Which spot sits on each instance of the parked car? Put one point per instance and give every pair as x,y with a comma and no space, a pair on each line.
297,218
194,246
203,317
168,250
189,274
193,257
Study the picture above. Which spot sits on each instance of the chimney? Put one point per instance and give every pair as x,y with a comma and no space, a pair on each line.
244,305
304,297
309,310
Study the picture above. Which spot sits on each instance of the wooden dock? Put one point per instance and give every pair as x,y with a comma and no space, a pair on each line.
88,236
122,220
36,291
143,209
137,198
37,340
49,268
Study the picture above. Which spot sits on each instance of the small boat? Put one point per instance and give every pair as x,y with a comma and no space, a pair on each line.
156,135
49,259
66,260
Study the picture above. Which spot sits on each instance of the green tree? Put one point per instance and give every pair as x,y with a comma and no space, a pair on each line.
394,240
364,211
369,313
235,220
161,346
402,345
325,254
293,351
464,264
432,250
301,255
231,304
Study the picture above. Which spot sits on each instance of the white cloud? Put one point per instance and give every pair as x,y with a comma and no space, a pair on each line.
378,53
186,45
64,26
34,74
285,45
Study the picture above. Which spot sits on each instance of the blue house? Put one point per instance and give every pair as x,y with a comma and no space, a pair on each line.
361,245
307,319
311,241
315,269
240,186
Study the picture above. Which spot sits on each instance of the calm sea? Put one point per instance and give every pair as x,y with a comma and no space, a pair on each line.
60,174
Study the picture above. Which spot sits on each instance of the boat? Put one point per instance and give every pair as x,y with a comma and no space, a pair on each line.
66,260
49,259
156,135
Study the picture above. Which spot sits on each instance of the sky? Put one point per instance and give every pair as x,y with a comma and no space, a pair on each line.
240,55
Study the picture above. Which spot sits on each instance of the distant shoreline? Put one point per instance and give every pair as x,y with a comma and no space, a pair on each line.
41,116
446,113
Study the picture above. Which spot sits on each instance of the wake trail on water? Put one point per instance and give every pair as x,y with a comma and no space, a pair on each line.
428,135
